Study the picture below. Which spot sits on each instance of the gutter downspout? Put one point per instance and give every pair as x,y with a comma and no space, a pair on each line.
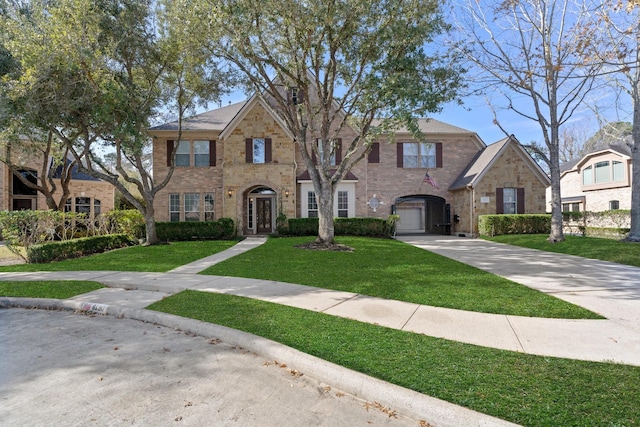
472,190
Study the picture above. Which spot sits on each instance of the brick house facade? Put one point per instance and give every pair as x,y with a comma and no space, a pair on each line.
240,162
89,195
598,181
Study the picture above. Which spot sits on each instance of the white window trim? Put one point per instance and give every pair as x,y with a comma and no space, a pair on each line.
349,187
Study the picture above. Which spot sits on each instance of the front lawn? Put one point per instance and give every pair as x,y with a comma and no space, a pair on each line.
525,389
588,247
395,270
157,258
57,289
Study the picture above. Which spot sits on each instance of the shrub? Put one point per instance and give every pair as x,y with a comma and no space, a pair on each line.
370,227
222,229
495,225
129,222
56,251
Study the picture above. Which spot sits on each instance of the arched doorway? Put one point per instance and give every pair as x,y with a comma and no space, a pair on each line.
422,214
260,212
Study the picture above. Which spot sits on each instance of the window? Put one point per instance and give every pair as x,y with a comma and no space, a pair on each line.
614,205
419,155
250,214
96,206
209,213
587,176
618,171
509,201
183,153
201,153
336,151
312,205
603,172
192,207
343,204
20,188
258,150
174,207
571,207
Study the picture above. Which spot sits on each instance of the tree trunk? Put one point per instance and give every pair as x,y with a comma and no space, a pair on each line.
556,235
634,233
150,226
326,230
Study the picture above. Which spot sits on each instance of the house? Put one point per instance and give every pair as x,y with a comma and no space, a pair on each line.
88,194
241,162
598,181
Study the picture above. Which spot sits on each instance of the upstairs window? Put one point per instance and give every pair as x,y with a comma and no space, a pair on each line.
603,172
258,150
336,151
423,155
200,153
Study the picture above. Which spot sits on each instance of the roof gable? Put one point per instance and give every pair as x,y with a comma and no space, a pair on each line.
485,159
246,108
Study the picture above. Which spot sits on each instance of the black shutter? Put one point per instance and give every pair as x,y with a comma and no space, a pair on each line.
169,151
267,150
520,200
374,154
499,200
248,146
212,153
400,153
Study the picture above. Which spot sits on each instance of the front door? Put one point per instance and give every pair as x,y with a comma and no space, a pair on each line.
263,215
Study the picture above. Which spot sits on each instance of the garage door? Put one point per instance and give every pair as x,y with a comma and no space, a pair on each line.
411,220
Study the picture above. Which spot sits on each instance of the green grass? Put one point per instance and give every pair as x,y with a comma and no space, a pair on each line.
525,389
57,289
395,270
158,258
589,247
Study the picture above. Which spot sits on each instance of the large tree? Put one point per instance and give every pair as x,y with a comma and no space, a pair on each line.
619,22
328,66
96,73
530,58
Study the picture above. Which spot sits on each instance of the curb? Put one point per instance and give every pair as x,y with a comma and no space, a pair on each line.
409,403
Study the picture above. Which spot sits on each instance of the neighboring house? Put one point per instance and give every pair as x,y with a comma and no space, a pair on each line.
240,161
598,181
88,194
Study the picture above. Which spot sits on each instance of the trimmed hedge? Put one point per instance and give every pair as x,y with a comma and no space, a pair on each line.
57,251
495,225
369,227
222,229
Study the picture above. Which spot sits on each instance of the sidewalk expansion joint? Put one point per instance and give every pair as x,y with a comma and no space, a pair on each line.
338,303
516,334
410,317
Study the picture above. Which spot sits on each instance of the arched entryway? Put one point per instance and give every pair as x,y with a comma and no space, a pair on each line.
422,213
260,208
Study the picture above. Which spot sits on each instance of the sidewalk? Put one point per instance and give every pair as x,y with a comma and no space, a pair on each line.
609,289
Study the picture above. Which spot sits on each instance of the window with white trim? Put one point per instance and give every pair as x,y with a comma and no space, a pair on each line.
174,207
183,154
312,205
510,205
343,204
321,152
258,150
209,205
419,155
192,207
603,172
201,153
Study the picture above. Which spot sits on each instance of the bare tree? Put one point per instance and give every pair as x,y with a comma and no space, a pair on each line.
619,49
529,54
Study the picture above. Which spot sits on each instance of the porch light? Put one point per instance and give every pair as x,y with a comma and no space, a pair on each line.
286,193
230,193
